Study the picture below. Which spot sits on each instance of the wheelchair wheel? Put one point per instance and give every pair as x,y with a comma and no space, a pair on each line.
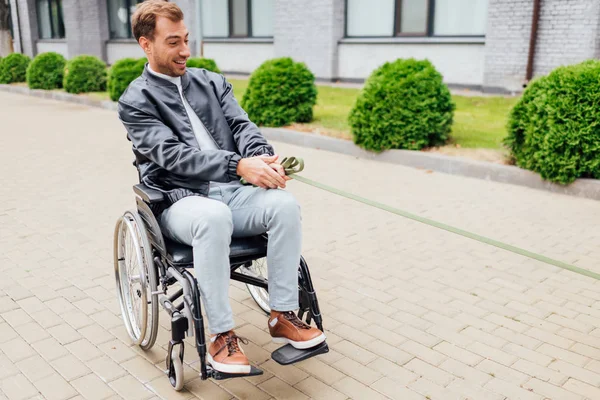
261,296
175,368
136,280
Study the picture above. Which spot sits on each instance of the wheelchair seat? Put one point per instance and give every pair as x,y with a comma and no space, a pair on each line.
250,248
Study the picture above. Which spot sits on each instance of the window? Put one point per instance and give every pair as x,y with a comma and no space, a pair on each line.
237,18
387,18
119,18
460,17
50,19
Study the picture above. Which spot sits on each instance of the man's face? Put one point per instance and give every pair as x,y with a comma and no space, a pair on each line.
169,50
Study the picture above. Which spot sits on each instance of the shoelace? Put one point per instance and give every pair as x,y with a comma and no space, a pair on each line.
231,342
297,322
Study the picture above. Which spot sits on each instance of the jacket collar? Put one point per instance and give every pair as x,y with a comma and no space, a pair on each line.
157,81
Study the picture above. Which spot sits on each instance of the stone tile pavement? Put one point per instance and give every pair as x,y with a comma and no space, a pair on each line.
411,312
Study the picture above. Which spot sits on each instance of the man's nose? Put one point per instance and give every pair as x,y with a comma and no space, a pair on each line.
185,52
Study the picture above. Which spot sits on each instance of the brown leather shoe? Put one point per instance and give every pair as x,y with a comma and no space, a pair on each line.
225,354
286,327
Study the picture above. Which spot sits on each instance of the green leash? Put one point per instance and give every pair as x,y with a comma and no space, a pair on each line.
293,166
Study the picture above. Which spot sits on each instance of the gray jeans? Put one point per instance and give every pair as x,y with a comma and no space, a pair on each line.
208,224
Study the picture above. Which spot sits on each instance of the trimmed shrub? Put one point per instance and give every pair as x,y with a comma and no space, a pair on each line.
85,74
206,63
554,129
280,92
122,73
13,68
46,71
403,105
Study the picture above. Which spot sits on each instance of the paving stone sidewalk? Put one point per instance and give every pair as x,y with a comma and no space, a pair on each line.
411,312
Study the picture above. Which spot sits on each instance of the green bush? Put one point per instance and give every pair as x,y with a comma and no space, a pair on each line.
46,71
13,68
280,92
85,74
122,73
206,63
554,129
404,105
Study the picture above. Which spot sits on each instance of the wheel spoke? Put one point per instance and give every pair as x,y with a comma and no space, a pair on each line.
136,280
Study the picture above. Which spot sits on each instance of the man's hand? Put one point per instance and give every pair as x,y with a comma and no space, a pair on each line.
262,171
277,167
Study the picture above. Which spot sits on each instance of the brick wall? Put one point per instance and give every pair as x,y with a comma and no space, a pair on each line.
86,27
308,31
597,52
568,33
507,43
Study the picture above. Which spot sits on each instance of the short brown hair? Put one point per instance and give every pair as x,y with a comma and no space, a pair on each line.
143,21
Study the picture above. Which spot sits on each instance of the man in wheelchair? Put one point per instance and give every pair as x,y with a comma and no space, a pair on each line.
193,142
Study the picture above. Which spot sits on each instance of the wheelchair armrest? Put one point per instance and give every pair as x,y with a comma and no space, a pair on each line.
147,194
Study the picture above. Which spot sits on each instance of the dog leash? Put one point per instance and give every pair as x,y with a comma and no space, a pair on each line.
294,165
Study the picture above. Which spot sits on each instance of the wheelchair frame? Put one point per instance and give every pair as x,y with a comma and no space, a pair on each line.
186,317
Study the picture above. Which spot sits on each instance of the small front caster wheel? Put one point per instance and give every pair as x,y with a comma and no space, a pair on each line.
176,367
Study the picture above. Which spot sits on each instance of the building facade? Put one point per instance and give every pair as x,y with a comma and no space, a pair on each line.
484,44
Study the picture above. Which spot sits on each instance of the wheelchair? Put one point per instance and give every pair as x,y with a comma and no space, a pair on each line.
146,264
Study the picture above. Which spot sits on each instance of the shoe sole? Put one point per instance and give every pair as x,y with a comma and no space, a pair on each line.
301,345
227,368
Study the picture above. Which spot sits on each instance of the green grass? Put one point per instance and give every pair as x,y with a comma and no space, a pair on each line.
479,122
98,95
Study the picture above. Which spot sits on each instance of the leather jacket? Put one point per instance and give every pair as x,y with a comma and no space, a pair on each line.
167,154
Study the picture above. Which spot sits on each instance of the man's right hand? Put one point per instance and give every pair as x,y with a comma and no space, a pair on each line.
257,171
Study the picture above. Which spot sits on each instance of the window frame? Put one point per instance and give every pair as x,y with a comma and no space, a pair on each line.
248,20
129,30
54,31
428,33
230,35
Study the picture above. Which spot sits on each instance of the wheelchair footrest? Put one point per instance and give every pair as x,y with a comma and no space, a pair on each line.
217,375
288,354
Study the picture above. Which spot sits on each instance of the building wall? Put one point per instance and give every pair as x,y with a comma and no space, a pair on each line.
86,27
507,43
57,46
460,64
597,52
309,31
24,17
239,57
115,50
567,33
312,31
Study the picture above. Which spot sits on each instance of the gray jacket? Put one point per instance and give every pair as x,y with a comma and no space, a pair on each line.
166,150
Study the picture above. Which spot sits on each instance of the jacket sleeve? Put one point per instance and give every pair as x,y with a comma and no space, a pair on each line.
246,134
157,142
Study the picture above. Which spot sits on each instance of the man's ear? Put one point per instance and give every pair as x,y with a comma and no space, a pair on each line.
145,44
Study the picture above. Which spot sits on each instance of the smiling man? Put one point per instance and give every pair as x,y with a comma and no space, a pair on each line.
193,142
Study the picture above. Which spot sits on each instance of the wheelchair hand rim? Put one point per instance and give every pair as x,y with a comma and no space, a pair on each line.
135,328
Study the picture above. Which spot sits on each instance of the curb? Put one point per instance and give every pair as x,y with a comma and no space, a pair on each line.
62,96
587,188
